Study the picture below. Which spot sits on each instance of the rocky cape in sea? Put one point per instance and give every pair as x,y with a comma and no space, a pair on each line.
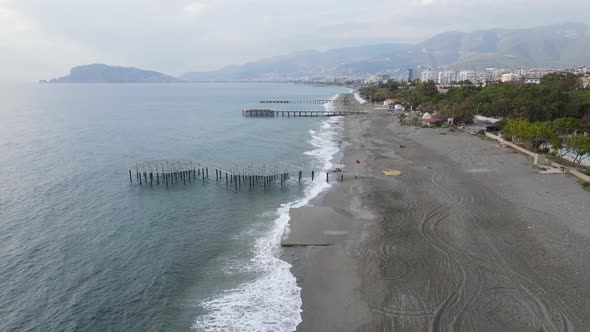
101,73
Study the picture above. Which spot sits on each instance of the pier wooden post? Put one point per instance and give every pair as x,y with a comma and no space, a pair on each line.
151,178
226,179
327,176
140,180
207,170
312,175
130,179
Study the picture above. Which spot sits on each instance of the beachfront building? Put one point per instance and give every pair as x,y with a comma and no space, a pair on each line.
390,101
532,80
432,122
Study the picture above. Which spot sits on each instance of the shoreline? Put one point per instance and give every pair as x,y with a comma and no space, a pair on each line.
329,204
461,204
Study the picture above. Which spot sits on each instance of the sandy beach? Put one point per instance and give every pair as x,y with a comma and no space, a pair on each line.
470,237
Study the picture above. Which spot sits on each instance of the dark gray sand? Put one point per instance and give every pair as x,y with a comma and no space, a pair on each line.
469,238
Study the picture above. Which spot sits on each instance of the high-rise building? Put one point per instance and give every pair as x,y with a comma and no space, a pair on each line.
469,75
410,74
447,77
429,75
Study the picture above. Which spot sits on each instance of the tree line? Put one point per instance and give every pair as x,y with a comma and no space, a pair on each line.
561,134
559,95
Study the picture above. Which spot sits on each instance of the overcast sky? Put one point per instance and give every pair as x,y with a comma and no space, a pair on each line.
44,38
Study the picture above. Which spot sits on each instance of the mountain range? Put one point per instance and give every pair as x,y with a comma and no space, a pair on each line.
559,45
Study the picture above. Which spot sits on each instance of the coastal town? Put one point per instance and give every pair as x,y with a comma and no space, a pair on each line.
295,166
546,111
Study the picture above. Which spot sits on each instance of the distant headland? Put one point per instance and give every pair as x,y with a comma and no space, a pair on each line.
101,73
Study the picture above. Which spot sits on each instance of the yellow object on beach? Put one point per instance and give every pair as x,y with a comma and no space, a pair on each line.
391,172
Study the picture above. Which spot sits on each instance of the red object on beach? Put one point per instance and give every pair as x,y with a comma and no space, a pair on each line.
358,161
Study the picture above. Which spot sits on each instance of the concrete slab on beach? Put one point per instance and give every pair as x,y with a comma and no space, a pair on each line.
315,226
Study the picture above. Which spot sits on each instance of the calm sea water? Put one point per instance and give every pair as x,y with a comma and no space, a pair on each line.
82,249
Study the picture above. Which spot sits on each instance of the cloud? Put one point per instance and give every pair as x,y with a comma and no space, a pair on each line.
166,35
193,9
5,12
424,2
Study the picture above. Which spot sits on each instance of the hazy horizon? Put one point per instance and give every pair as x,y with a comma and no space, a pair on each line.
40,40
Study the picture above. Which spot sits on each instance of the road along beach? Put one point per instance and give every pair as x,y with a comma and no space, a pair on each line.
468,237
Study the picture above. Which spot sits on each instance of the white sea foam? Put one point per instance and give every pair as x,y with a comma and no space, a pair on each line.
272,301
359,98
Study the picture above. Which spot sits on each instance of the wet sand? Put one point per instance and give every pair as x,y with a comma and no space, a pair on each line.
469,238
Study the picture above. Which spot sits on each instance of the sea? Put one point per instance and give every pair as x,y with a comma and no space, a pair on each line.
83,249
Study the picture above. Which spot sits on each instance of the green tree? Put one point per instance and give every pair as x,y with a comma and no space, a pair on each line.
585,121
402,117
564,126
578,146
524,131
565,81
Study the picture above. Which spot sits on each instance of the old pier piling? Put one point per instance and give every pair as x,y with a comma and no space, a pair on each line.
236,175
312,101
267,113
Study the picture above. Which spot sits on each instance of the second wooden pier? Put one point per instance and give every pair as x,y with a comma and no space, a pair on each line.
266,113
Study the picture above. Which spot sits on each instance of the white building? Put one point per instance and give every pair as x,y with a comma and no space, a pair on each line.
447,77
510,77
469,75
532,80
486,76
429,75
390,101
372,79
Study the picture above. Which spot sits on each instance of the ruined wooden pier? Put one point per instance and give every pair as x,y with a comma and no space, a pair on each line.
267,113
249,174
314,101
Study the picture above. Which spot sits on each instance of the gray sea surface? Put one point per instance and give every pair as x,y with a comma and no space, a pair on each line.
83,249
